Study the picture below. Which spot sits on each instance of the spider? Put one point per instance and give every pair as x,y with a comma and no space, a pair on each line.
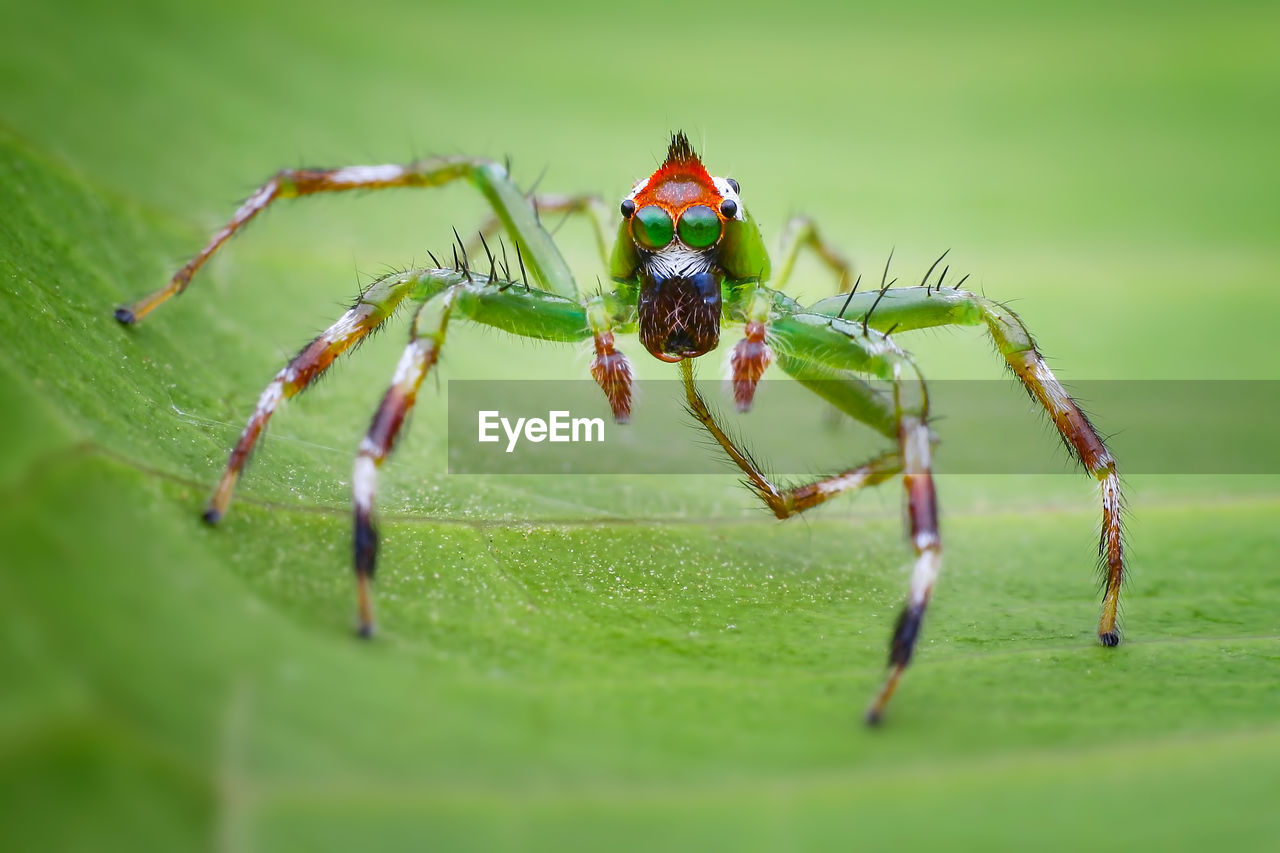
687,260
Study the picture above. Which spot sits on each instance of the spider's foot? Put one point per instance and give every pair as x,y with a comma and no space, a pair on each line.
1110,638
875,713
364,606
212,515
126,316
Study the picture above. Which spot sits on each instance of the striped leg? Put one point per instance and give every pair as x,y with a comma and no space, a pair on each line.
911,459
786,502
509,204
922,513
421,353
1083,440
375,305
931,306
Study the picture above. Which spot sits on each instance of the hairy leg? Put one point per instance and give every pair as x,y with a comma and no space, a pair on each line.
371,310
418,358
510,206
911,458
922,515
503,304
928,307
787,501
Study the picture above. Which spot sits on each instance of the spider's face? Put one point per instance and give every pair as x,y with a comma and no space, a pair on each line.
676,219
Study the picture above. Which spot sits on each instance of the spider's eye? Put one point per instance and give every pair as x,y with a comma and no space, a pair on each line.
731,182
699,227
628,207
651,227
729,208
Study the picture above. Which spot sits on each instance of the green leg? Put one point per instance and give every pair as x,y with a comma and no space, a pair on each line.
589,206
606,314
509,204
371,310
802,232
927,307
503,304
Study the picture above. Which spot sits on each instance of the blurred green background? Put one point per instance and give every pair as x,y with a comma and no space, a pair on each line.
618,661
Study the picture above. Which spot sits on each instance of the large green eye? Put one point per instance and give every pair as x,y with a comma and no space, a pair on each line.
651,227
699,227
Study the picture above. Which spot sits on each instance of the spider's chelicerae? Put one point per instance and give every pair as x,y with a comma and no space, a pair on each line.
688,258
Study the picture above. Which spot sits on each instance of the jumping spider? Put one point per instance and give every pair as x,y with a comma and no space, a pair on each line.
688,258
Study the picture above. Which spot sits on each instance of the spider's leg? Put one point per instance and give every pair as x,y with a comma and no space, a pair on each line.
922,515
509,204
802,232
493,302
786,501
825,354
926,307
373,307
421,353
588,205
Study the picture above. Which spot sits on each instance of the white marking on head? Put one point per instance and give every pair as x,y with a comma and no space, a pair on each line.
637,189
727,191
676,259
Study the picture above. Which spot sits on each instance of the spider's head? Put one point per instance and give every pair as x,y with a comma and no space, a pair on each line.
676,219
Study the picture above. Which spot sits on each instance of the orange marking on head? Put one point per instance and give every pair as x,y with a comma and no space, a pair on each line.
680,182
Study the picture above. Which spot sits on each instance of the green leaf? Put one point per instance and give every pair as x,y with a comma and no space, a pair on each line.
594,662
